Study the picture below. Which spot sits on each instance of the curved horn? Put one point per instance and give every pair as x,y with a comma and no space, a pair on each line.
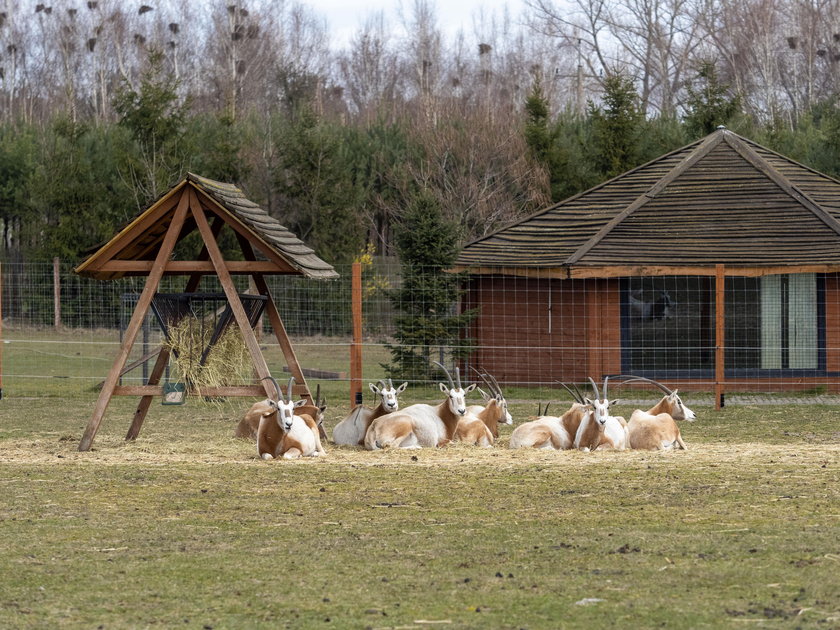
576,396
483,377
276,386
595,387
448,375
606,380
390,384
630,378
496,383
289,388
458,377
545,411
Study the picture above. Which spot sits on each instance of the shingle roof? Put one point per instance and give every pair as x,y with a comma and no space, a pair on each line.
721,200
141,238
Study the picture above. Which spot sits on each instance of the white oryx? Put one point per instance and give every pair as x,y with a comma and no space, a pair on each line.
351,430
656,429
480,426
421,425
601,429
284,428
554,432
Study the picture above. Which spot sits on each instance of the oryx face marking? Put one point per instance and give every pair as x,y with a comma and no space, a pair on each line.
457,398
680,411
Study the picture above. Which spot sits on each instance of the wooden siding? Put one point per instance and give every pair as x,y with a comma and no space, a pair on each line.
540,331
832,323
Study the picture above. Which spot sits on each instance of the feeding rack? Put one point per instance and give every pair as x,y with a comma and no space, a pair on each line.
146,247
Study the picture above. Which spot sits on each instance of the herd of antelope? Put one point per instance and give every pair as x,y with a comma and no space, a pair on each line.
288,429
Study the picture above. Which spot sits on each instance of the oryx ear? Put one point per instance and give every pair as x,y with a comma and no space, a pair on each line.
373,388
301,403
612,402
674,393
484,394
588,402
443,388
401,388
470,388
270,412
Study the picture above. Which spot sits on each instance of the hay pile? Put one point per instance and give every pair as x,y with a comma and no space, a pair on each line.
227,364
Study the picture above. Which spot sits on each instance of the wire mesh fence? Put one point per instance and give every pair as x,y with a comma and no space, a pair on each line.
61,332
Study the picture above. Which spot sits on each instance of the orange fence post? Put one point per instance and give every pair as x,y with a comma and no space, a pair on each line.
356,345
720,334
57,292
1,331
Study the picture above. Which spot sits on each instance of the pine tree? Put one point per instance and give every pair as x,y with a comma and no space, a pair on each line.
427,245
709,103
543,141
617,128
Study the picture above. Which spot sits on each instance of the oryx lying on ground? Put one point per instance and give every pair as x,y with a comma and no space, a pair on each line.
283,428
351,430
421,425
480,426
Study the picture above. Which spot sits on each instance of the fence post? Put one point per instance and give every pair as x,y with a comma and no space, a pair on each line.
1,331
356,345
57,292
720,334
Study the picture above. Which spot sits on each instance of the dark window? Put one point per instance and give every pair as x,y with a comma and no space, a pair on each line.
774,324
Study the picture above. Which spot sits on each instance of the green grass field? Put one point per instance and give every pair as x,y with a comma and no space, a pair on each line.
187,528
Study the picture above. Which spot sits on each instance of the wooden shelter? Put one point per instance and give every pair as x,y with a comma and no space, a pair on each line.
749,239
145,248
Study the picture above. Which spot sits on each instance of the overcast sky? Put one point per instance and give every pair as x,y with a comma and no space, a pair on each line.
345,16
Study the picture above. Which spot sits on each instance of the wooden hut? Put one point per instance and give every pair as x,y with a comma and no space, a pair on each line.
717,261
145,247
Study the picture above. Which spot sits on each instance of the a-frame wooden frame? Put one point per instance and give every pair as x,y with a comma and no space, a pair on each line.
191,205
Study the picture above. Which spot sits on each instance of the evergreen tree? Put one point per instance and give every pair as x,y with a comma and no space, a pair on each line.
617,127
543,141
709,103
155,116
427,246
320,187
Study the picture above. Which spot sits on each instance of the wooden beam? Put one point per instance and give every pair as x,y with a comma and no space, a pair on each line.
136,322
183,267
277,323
623,271
720,334
151,391
138,227
232,295
356,345
163,353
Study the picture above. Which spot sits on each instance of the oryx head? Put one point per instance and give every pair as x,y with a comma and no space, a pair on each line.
456,395
601,403
285,409
495,393
678,411
389,394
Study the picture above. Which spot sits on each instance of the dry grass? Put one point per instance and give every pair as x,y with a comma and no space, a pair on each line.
179,527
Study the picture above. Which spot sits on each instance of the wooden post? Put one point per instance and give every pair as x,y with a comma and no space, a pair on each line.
356,345
235,303
1,331
720,334
56,293
136,322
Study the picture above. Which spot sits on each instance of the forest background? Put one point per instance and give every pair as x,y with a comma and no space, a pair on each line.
104,105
